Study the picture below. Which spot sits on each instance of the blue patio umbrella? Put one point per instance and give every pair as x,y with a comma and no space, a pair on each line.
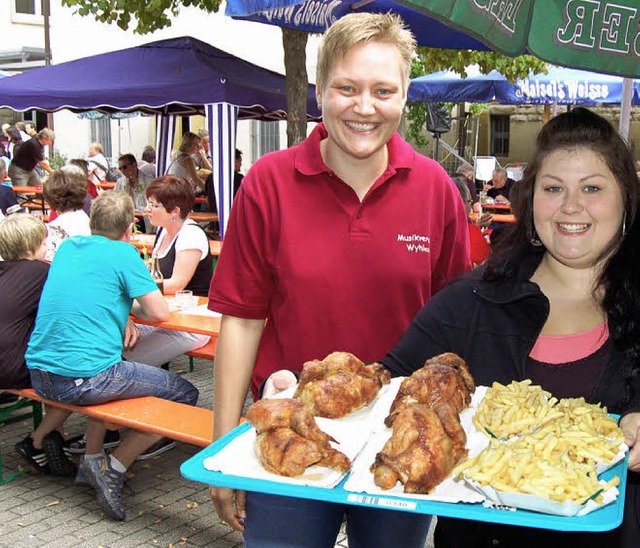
559,85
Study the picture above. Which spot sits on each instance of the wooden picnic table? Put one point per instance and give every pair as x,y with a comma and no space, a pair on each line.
105,185
203,216
182,320
497,218
30,197
497,207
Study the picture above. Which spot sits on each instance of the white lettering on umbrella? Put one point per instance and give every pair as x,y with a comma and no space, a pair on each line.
558,90
503,11
311,13
605,26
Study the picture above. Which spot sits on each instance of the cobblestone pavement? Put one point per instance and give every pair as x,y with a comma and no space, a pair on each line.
163,508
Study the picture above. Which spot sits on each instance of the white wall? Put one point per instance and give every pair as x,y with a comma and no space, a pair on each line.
73,36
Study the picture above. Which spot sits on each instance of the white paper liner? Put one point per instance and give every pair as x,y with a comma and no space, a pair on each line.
193,309
351,432
450,490
544,505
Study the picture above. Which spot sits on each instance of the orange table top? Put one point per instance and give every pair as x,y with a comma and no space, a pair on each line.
203,216
105,185
496,205
497,218
27,189
191,323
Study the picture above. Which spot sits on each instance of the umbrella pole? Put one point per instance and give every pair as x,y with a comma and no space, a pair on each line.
625,108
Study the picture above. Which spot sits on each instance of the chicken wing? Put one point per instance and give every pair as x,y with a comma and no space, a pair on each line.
425,446
339,384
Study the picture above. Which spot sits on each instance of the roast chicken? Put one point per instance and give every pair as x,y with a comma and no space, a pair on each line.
289,440
339,384
443,378
426,444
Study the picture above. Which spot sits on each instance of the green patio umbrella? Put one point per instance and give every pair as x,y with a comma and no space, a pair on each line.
597,35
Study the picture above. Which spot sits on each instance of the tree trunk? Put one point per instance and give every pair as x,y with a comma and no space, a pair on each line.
297,81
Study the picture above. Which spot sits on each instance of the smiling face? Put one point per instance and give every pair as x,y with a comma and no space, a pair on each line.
577,206
362,101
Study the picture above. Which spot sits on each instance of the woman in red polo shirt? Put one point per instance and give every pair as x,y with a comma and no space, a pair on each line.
337,243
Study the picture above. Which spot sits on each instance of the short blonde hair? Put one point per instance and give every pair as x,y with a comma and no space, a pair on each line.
111,214
97,146
21,234
46,133
358,28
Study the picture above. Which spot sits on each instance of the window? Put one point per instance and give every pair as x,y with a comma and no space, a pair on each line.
265,138
101,133
28,11
500,135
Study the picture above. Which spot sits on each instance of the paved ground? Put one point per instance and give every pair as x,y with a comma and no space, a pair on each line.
163,508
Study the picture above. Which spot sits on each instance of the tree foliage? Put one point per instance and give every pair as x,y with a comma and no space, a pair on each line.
434,59
150,15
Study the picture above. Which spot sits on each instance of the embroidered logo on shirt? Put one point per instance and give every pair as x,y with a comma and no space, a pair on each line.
416,243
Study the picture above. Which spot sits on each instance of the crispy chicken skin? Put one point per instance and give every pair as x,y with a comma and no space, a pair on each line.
286,453
443,378
339,384
425,446
289,440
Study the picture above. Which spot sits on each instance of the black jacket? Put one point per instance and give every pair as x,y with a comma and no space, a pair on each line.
493,327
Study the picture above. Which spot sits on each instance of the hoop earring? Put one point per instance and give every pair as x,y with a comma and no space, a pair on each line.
535,239
624,224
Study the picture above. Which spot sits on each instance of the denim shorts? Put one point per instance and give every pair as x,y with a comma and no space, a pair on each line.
122,381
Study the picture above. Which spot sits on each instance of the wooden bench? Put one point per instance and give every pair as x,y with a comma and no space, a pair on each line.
178,421
207,352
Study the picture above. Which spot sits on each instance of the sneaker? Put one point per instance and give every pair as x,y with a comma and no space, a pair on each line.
108,484
35,457
78,444
81,479
165,444
59,464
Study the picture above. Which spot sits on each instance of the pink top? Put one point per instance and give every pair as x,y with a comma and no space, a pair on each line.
569,348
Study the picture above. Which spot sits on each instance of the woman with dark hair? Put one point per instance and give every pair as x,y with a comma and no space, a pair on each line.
66,193
15,140
557,302
185,260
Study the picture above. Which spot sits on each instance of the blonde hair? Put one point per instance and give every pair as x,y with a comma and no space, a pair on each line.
97,146
46,133
358,28
111,214
188,140
20,235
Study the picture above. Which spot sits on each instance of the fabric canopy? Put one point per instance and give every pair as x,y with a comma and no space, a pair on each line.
563,86
179,76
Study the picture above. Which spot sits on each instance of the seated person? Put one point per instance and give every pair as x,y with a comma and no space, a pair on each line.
500,186
8,200
478,245
66,192
466,170
134,182
92,189
22,276
183,165
75,351
185,261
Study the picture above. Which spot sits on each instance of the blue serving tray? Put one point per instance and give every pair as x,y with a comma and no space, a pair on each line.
604,519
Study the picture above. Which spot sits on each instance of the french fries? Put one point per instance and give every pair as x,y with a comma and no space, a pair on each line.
542,446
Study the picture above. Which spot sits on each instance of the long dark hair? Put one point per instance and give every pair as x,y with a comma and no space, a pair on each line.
620,277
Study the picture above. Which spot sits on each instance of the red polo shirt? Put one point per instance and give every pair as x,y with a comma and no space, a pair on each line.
331,273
